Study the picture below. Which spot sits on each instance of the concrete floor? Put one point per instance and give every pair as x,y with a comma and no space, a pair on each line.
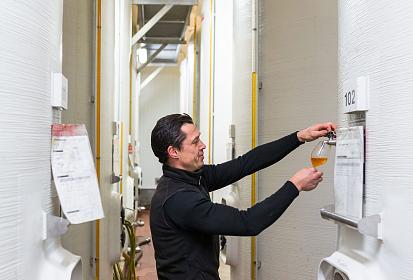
146,268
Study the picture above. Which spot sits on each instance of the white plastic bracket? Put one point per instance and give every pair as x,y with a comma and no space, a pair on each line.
59,91
371,226
53,226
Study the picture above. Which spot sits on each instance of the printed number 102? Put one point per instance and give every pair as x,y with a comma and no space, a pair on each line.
350,98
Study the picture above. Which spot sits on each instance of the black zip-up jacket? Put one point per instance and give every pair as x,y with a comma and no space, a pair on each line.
185,223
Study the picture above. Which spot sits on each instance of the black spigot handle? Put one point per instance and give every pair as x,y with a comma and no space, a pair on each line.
331,135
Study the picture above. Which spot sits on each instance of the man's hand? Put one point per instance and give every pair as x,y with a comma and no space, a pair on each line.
307,179
315,131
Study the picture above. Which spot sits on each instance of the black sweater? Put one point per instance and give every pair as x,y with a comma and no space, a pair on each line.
185,223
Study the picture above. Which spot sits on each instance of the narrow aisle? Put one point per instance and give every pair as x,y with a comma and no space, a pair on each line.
146,268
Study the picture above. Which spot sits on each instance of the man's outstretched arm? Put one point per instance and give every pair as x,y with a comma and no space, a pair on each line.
221,175
193,211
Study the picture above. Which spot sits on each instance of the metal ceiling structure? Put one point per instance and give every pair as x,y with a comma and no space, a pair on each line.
162,26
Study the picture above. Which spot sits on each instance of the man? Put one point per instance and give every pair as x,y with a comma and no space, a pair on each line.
185,224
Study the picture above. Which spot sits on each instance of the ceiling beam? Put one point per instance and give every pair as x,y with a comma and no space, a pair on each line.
172,21
152,57
187,19
142,31
163,2
151,77
161,40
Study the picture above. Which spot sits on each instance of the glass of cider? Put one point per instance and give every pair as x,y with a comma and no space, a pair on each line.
320,153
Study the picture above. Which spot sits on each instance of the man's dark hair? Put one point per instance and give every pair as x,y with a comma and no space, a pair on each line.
167,132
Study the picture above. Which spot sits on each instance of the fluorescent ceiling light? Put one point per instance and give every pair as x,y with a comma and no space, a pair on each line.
142,55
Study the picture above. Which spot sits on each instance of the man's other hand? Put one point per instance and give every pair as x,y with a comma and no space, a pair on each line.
315,131
307,179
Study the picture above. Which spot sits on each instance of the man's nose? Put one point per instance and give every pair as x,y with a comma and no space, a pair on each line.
202,145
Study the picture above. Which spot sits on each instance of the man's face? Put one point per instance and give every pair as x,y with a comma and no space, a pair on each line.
191,154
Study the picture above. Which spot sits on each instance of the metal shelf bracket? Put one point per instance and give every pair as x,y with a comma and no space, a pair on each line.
370,225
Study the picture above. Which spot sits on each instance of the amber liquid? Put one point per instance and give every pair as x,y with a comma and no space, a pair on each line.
318,161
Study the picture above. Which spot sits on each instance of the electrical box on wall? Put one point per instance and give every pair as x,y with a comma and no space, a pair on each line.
355,95
59,90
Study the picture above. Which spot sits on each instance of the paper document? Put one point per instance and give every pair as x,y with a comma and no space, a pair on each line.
348,172
74,173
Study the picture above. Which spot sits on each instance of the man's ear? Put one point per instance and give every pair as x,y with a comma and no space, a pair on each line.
172,152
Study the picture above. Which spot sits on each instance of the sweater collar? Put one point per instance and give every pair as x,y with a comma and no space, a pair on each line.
193,178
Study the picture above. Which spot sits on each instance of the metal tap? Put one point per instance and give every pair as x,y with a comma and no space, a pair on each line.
331,138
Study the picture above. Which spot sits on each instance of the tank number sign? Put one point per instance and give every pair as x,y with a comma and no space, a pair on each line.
355,95
350,97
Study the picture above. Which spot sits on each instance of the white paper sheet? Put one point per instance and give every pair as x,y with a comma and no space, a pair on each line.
74,174
348,172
